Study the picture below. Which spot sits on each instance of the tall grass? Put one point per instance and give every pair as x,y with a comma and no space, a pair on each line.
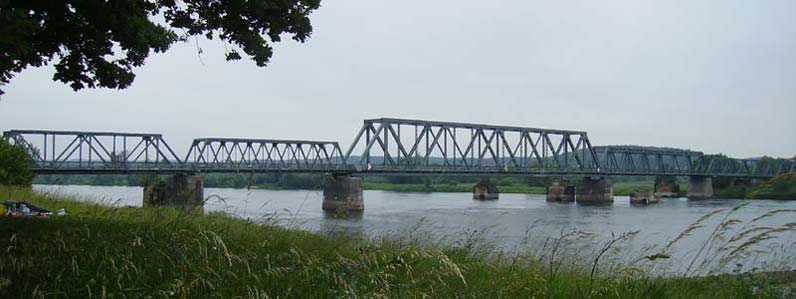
102,252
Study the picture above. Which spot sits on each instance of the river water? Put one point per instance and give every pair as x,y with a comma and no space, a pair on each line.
510,223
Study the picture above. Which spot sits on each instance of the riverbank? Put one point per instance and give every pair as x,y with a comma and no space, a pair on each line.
98,251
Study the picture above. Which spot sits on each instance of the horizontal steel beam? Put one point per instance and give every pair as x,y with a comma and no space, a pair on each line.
635,150
247,140
48,132
467,125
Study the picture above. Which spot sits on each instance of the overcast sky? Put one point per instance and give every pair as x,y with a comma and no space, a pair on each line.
715,76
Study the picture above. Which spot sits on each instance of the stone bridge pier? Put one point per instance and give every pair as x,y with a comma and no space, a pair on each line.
485,190
342,194
666,187
182,191
700,187
595,190
557,192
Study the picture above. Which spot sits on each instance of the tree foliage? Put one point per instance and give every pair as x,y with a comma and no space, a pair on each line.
97,42
14,166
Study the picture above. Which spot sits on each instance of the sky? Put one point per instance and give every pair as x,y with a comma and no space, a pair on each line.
715,76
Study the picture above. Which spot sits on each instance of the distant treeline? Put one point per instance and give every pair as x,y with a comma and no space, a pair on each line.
214,180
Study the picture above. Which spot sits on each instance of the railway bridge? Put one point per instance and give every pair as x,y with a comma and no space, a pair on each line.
389,147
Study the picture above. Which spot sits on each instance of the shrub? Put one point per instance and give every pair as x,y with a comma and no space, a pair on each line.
14,166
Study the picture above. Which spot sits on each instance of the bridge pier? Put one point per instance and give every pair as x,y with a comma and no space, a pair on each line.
666,187
182,191
342,193
595,190
556,192
485,190
643,198
700,187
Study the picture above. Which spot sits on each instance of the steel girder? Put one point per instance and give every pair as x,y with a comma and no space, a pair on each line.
641,161
95,152
264,155
391,145
763,167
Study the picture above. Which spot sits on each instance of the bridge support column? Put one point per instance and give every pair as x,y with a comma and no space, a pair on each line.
643,198
342,193
700,187
485,190
595,190
183,191
556,192
666,187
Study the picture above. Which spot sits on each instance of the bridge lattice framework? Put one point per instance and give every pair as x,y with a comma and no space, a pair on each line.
384,146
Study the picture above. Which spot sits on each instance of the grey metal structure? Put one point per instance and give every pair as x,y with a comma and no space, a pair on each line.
635,160
96,152
622,160
429,147
264,155
384,146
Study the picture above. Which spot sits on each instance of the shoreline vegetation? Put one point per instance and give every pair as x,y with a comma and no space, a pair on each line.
123,252
782,187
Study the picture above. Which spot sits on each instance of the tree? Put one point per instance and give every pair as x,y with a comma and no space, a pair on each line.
98,42
14,166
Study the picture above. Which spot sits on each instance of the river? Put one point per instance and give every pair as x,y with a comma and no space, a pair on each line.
510,223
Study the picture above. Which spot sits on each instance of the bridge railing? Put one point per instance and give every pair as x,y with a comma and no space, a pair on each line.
87,152
399,145
251,155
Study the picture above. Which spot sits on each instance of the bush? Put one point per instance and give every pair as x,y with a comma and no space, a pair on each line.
14,166
781,187
507,181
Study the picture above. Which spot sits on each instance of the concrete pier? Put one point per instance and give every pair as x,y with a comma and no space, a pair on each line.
700,187
643,198
556,192
666,187
485,190
183,191
595,190
342,194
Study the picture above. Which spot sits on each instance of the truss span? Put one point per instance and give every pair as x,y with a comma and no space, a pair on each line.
390,145
264,155
383,146
96,152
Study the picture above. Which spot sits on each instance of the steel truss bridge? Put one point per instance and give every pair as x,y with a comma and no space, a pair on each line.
383,146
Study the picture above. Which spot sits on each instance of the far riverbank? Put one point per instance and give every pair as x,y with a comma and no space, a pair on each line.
782,187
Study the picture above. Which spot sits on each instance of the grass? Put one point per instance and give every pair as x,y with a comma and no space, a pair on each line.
625,188
98,251
731,192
